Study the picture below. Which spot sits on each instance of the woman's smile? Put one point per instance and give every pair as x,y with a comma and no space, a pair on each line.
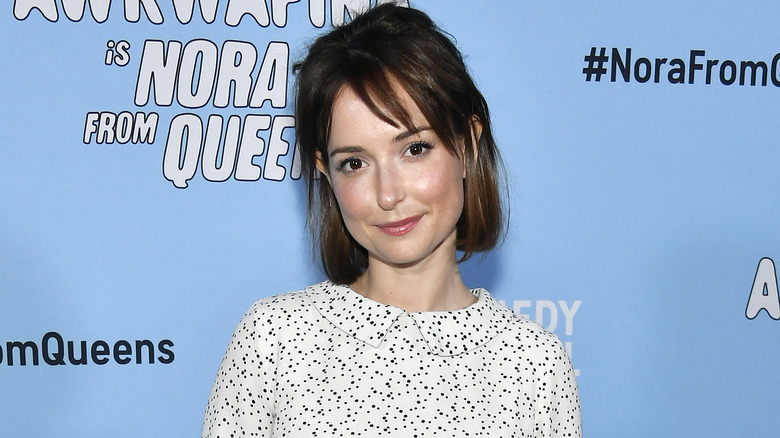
399,228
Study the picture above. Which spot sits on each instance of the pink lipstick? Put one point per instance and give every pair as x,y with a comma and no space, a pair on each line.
399,228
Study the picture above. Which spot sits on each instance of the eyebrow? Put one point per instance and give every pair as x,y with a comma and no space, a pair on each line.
410,132
345,150
400,137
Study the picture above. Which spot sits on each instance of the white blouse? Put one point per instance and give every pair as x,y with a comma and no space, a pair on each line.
327,361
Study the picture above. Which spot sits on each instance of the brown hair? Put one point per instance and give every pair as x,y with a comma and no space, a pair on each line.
384,46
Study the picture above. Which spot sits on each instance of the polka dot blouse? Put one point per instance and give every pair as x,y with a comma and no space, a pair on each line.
328,362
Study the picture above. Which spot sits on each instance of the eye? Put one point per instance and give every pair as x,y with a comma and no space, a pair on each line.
351,164
418,148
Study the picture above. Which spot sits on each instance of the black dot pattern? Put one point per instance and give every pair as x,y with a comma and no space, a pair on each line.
328,362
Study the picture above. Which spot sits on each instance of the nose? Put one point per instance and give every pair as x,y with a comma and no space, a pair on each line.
389,189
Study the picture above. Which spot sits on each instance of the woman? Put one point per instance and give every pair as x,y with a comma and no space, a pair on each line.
402,172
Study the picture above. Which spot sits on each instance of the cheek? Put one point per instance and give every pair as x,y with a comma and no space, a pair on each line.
443,185
351,199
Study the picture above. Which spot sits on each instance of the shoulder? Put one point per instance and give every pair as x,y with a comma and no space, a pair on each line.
523,335
293,300
284,302
267,316
291,308
515,327
528,331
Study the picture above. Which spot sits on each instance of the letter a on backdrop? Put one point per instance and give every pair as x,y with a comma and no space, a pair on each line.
764,294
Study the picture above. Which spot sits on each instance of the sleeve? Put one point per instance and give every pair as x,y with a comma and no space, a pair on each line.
558,404
242,398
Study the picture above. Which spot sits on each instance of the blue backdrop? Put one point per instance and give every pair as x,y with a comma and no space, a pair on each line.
150,194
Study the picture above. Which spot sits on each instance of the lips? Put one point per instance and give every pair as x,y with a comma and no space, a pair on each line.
399,228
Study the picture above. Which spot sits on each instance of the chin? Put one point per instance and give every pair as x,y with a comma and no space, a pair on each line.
404,258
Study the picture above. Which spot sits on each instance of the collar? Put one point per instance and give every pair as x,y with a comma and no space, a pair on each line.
446,333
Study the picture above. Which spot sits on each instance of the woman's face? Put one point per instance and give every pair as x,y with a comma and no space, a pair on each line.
399,191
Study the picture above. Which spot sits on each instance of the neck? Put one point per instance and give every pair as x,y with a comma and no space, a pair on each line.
426,286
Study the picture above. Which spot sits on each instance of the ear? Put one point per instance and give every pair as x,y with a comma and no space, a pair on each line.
321,166
476,134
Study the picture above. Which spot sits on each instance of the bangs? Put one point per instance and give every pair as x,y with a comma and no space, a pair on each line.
379,88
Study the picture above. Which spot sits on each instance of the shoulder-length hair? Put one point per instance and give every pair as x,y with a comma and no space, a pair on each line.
380,49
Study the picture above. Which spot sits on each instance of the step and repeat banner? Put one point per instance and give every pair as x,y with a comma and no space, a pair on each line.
151,192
